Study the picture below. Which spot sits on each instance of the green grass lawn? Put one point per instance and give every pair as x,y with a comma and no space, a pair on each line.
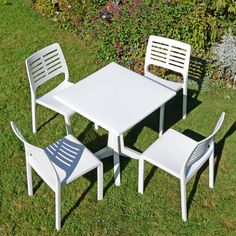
123,211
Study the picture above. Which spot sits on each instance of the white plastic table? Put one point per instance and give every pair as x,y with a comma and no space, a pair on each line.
116,99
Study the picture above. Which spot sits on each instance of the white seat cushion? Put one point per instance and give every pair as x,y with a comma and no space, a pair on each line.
50,102
170,152
175,86
70,158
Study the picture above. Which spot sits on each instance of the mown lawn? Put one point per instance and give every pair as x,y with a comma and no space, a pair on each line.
123,211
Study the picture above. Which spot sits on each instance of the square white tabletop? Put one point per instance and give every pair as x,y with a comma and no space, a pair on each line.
115,98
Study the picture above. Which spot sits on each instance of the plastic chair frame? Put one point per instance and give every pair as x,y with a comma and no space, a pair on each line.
170,54
204,150
48,70
37,159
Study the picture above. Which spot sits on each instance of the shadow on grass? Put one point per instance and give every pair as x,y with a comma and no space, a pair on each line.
218,153
173,113
77,204
35,189
91,176
47,121
173,108
149,176
220,145
108,164
188,133
94,142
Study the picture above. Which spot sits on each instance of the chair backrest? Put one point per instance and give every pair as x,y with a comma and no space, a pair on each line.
203,146
45,64
168,53
38,159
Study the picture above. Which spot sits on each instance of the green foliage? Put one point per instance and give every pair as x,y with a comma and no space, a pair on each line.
44,6
122,36
69,14
119,29
5,2
228,5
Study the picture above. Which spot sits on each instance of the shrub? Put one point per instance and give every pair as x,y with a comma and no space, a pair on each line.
69,14
44,6
120,32
225,53
229,6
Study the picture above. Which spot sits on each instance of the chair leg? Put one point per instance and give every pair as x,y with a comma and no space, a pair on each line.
68,127
34,125
183,200
29,179
141,175
58,209
211,170
184,103
100,181
161,121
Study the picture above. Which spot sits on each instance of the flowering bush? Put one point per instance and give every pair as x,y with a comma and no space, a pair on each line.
69,14
120,31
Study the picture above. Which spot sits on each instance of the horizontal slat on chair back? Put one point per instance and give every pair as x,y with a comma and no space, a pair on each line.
168,53
204,145
200,150
45,64
38,160
42,165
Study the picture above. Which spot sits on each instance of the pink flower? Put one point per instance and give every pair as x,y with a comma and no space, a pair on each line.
130,8
136,2
117,46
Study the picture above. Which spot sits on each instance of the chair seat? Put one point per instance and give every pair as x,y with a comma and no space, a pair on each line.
170,152
48,100
175,86
70,158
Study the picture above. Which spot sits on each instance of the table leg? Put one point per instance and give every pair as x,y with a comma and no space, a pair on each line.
106,151
116,158
110,140
115,147
96,126
161,122
126,151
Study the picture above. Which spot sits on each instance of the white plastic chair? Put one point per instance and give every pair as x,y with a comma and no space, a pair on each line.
181,157
59,164
172,55
41,67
